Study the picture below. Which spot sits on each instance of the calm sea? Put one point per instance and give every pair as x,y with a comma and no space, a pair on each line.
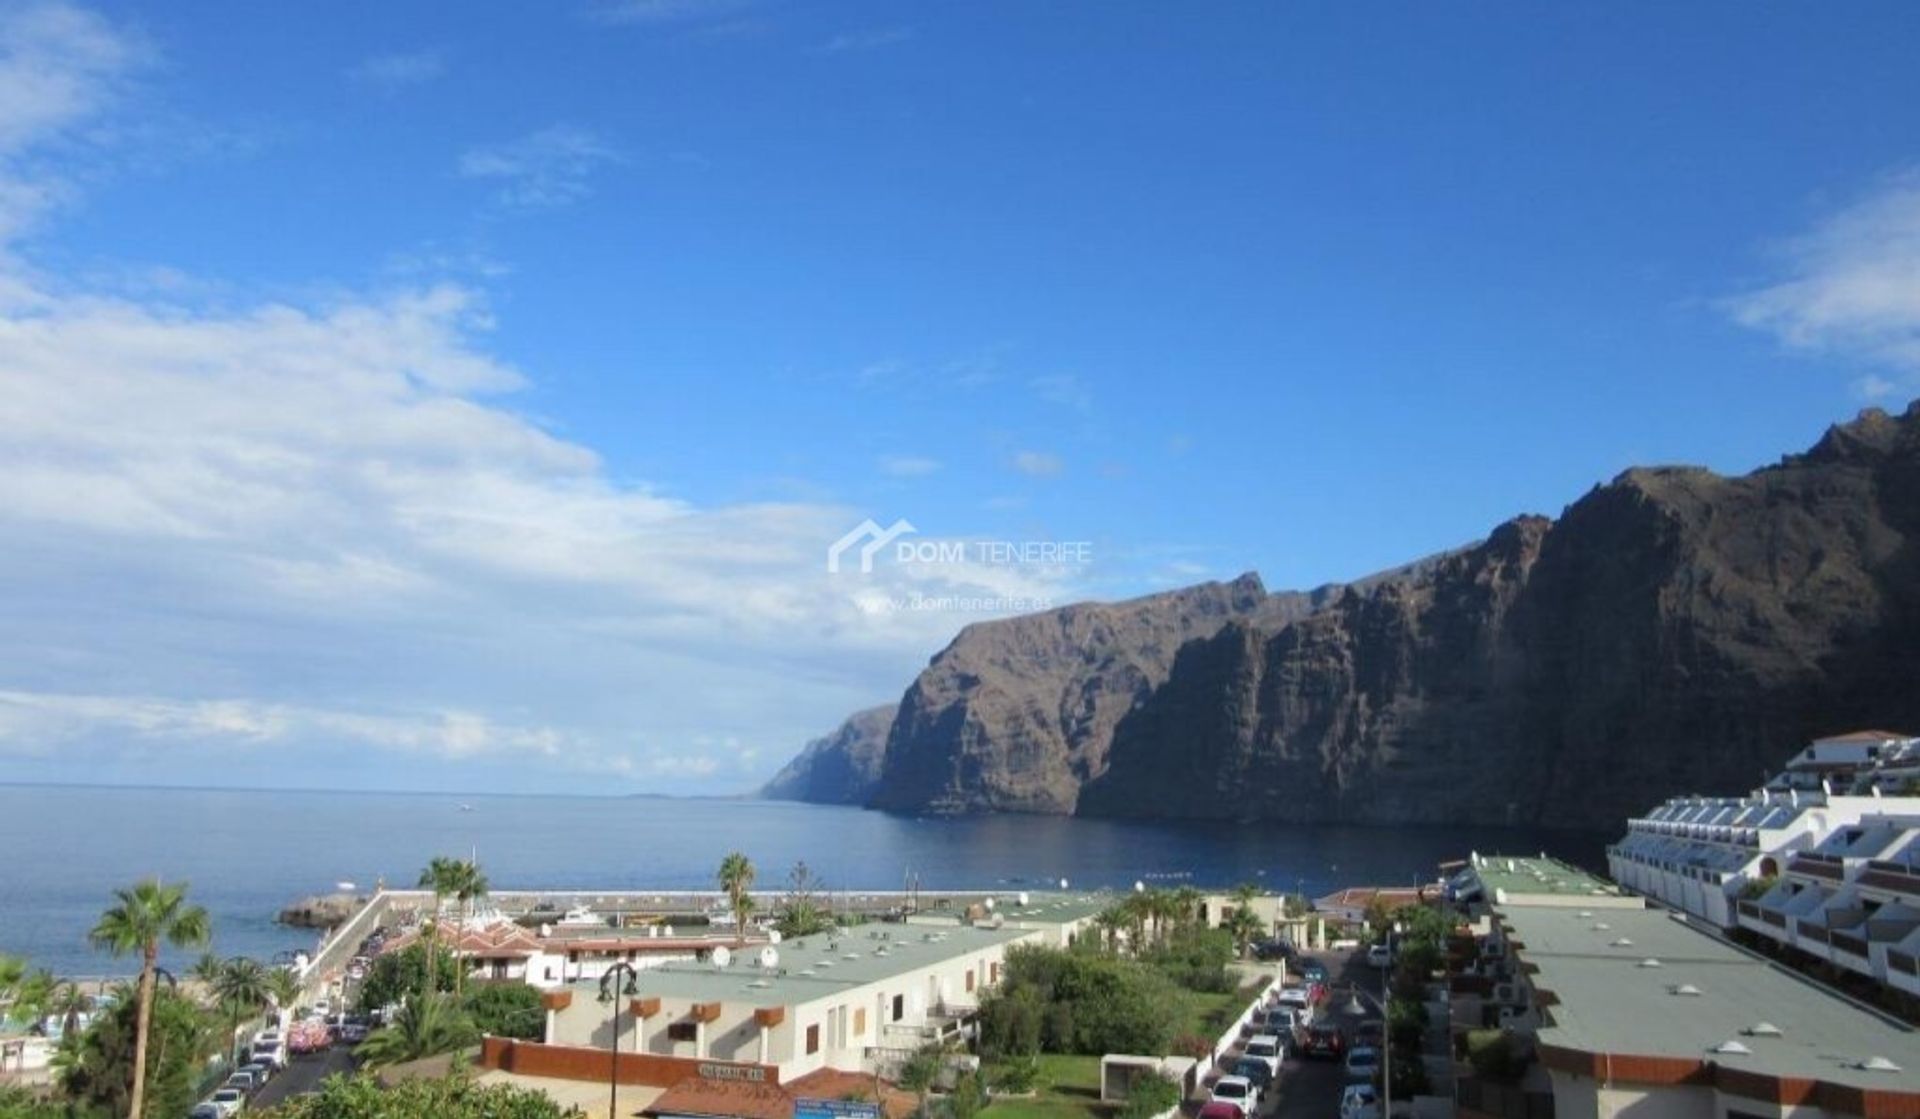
247,853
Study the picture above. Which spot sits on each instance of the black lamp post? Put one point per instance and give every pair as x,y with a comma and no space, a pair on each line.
612,989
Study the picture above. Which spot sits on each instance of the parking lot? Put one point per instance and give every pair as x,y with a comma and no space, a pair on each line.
1309,1087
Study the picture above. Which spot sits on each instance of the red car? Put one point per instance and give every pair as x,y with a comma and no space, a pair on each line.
1324,1042
1221,1109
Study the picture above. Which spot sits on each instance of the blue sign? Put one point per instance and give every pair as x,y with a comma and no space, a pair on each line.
835,1109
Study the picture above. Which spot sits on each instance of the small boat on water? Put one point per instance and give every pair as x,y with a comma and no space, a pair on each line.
466,808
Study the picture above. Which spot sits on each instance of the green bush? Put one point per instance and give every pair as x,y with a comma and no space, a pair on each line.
1149,1095
1017,1075
507,1009
452,1098
1064,1002
1494,1056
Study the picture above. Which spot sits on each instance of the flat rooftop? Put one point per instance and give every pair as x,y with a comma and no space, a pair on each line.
1537,876
818,966
1607,999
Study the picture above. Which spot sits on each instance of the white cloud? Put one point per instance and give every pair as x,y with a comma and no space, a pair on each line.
1037,464
1065,389
660,13
1852,284
255,530
871,39
908,466
59,66
393,72
543,169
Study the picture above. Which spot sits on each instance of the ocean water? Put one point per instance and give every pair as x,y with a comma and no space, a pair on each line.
247,853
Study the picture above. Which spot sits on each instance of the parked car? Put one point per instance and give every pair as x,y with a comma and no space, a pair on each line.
243,1081
1296,996
1258,1072
1360,1101
1221,1109
1313,971
354,1031
261,1071
1324,1042
1269,1050
1370,1032
1285,1022
270,1053
1379,955
1237,1090
1276,949
1363,1062
230,1101
206,1111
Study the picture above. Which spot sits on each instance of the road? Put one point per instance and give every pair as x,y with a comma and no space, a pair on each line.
302,1075
1310,1089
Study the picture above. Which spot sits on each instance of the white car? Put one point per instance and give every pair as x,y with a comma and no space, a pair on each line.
1362,1063
1360,1101
272,1054
1379,955
1295,997
1267,1048
230,1101
1238,1091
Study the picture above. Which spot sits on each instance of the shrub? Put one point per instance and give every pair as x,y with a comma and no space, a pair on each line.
1494,1056
507,1009
1018,1075
1148,1095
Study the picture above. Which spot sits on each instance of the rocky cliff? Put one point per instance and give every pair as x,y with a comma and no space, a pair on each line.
1671,631
841,768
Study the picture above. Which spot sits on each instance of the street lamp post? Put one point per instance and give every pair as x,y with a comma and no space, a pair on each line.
612,989
1386,1027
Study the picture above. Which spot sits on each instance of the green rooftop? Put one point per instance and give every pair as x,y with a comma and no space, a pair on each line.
818,966
1505,878
1641,982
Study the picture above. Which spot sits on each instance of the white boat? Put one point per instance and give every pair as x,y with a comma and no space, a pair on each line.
581,916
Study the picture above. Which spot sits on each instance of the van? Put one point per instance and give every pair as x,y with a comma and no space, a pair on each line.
1379,955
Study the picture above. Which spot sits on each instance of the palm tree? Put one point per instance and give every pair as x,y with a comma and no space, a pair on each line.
443,876
1110,921
429,1024
13,970
470,885
68,1002
144,915
1244,924
1186,904
283,988
240,987
736,878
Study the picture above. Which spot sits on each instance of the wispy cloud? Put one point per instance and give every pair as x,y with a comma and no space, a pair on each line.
544,169
870,39
393,72
1851,285
908,466
60,65
1064,389
666,13
1037,464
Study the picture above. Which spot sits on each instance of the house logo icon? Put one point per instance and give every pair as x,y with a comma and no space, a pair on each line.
875,539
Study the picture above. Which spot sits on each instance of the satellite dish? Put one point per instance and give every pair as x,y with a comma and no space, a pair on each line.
1063,883
769,958
773,936
546,930
1023,899
989,905
722,956
1139,887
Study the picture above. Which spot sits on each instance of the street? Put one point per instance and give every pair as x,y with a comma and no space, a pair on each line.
302,1075
1310,1088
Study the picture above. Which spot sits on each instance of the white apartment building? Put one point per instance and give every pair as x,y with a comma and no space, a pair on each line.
1701,854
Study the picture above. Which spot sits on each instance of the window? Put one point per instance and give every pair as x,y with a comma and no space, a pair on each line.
813,1039
683,1031
899,1007
993,972
969,980
860,1022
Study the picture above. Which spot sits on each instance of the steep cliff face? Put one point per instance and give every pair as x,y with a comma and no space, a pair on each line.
1017,714
841,768
1673,631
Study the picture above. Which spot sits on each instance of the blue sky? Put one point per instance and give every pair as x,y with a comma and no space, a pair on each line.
414,400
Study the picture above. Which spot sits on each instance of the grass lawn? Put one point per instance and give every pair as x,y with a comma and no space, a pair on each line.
1069,1088
1207,1014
